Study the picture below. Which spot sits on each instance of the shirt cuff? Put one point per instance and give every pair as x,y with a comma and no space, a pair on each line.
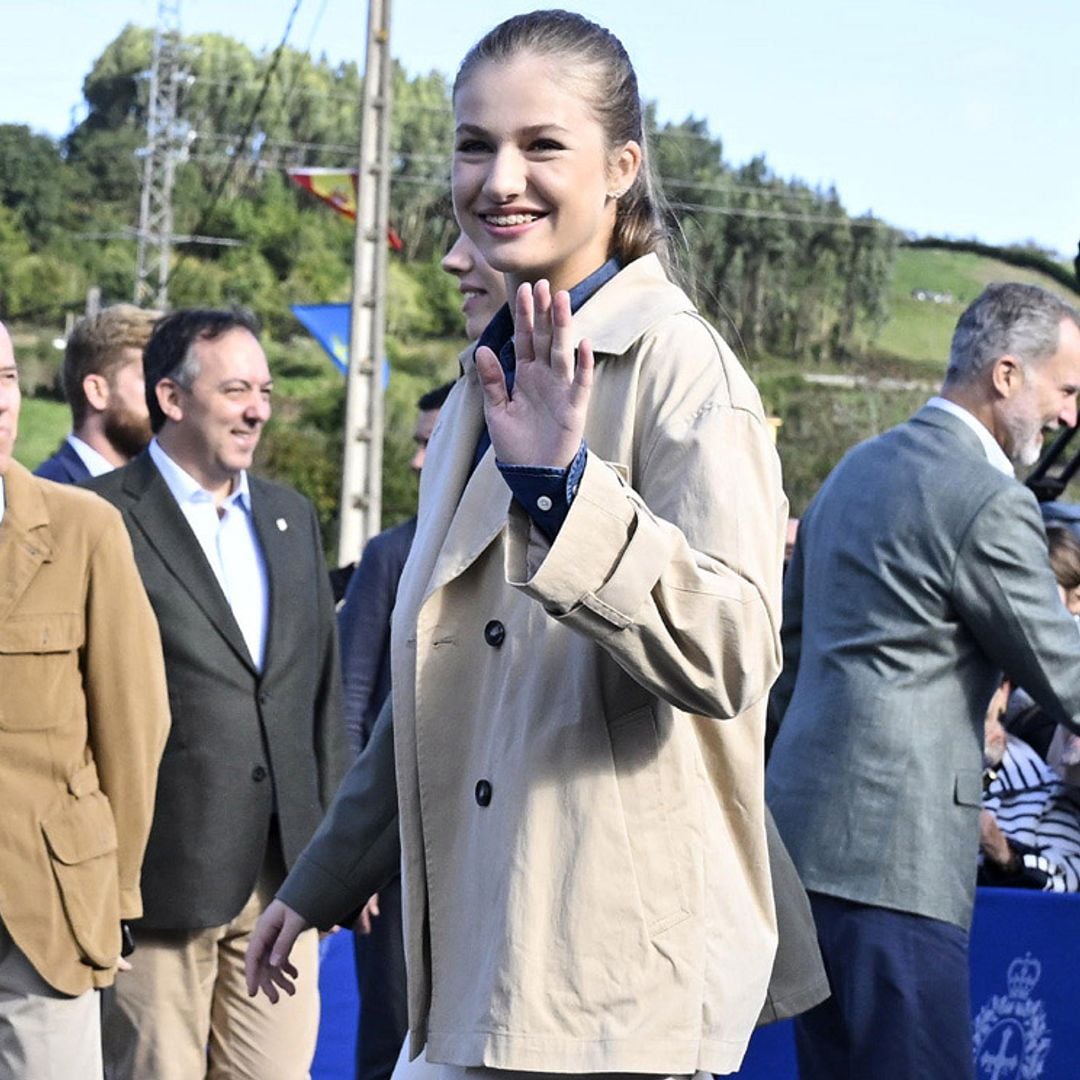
544,492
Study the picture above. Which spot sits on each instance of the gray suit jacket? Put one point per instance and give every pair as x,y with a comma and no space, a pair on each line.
919,575
244,745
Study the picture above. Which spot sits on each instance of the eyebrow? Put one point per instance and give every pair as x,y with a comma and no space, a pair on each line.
532,129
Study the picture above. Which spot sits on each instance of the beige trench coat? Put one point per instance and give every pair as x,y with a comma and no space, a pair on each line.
83,718
609,908
579,727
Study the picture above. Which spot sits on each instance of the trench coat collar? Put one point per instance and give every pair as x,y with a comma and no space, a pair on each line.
25,537
161,521
621,310
463,509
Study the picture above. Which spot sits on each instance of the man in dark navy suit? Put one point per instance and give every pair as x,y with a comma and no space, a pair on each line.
103,384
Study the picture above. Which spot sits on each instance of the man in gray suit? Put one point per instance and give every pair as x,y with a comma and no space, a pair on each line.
234,570
920,573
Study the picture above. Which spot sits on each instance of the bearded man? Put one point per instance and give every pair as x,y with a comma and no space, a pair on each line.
919,574
103,385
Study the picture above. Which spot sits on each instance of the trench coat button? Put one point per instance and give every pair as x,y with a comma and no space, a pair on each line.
483,792
494,633
258,773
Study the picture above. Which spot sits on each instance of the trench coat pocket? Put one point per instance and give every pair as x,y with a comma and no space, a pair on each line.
636,750
40,669
82,844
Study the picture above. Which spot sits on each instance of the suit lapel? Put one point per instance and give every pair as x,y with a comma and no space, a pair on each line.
25,540
160,520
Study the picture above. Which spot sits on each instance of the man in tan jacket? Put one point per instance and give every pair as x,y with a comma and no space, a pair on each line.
83,719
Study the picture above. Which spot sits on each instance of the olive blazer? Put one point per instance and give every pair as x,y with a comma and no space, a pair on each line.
83,718
578,726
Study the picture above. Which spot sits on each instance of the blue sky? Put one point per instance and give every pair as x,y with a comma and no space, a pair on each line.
954,117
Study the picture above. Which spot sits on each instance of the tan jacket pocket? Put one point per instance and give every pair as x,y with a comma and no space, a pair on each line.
39,670
82,843
636,748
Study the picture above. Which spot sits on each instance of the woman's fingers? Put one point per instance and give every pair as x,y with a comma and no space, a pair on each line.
492,378
524,324
542,329
583,370
562,342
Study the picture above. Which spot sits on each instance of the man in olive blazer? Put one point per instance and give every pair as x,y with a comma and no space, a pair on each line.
920,573
257,744
83,718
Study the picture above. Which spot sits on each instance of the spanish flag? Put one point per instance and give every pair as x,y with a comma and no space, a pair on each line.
337,187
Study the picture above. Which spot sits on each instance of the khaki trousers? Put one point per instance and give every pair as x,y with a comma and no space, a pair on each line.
183,1011
44,1035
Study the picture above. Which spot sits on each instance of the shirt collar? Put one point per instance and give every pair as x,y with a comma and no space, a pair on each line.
994,454
96,463
186,489
501,328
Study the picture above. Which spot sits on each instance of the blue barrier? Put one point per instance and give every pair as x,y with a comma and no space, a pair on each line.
1025,996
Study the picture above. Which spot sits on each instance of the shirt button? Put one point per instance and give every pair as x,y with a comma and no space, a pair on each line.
543,503
483,792
494,633
258,773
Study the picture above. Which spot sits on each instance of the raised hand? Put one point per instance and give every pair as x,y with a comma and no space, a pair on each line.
543,423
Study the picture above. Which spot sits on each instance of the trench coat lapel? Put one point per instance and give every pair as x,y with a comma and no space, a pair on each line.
160,520
462,509
25,540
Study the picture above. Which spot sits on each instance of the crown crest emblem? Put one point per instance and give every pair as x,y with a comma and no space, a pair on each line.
1024,972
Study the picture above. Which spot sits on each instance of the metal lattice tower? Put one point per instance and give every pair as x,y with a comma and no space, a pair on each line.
361,482
166,143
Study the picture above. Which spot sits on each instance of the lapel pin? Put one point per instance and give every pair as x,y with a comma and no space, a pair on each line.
282,524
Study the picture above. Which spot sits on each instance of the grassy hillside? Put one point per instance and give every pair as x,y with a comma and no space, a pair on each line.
42,424
919,331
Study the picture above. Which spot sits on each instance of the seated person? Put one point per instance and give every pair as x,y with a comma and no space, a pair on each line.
1030,818
1023,717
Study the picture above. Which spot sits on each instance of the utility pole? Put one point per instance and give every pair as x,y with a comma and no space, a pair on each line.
165,145
361,481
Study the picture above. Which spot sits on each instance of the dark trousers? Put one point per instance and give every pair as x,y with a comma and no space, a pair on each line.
380,972
900,1005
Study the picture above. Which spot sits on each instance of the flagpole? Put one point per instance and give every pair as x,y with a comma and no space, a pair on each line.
361,474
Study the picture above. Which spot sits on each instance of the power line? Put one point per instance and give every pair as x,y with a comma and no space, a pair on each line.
275,59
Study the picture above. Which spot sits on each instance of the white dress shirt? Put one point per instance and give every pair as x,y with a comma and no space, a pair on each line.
228,539
994,454
94,461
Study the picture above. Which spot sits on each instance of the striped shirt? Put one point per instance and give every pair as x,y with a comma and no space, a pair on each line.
1033,806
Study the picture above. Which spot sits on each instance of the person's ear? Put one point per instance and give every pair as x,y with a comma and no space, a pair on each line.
170,398
95,389
625,166
1007,375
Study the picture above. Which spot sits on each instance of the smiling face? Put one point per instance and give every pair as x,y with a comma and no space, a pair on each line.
1044,399
10,400
212,429
533,178
483,288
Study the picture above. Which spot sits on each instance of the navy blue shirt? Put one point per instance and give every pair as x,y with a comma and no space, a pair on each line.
544,492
